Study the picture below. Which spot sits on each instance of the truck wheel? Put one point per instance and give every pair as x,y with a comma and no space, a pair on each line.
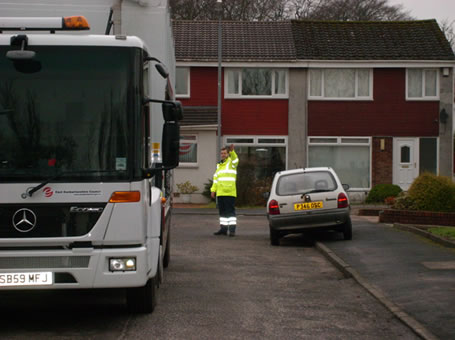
274,237
143,299
167,253
347,230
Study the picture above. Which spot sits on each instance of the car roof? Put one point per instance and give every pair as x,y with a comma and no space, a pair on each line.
295,171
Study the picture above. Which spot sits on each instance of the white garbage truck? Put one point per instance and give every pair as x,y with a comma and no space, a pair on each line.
89,135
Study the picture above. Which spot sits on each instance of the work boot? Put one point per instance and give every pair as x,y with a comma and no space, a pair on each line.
222,231
232,230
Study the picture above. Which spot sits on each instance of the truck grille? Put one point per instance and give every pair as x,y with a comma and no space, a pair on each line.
44,262
48,220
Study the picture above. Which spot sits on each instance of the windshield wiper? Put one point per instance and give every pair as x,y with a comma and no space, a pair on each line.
30,192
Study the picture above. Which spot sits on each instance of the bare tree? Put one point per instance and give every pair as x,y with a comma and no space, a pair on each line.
248,10
447,27
359,10
263,10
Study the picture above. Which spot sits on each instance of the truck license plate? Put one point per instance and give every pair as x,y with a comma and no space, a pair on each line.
26,279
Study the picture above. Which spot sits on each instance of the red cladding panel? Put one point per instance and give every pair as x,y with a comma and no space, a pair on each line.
239,116
389,114
204,87
255,117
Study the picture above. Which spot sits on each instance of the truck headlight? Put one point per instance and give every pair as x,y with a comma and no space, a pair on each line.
122,264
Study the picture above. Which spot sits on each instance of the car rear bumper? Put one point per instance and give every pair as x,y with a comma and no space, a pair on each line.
309,220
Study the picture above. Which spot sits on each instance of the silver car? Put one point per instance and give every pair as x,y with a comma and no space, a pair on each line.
308,199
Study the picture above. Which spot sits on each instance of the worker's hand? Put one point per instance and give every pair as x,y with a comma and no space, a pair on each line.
231,147
212,194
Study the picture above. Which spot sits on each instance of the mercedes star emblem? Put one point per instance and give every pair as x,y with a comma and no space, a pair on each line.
24,220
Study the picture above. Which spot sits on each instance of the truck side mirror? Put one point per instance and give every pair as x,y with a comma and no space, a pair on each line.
172,111
171,144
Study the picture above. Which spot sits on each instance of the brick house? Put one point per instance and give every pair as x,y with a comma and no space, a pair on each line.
371,99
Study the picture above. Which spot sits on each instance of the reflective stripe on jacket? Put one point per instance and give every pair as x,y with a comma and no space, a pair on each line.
225,176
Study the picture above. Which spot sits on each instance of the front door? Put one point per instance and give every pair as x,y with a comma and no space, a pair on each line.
405,161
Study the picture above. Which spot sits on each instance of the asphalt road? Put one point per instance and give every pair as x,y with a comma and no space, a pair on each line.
217,288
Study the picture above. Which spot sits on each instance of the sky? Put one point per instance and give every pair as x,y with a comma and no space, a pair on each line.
429,9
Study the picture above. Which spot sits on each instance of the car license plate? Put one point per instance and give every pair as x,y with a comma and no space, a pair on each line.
26,279
308,205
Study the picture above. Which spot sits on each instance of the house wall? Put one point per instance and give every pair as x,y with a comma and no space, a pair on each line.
203,87
255,117
382,161
200,174
388,114
298,134
446,128
239,116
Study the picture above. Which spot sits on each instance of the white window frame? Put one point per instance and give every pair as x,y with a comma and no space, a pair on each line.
343,141
192,141
355,98
228,141
184,95
239,95
424,97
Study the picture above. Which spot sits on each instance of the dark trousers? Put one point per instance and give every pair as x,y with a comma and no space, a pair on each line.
226,207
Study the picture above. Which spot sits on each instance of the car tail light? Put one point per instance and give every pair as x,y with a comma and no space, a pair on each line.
342,200
274,208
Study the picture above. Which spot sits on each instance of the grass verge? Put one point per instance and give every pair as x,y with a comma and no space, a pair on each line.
445,232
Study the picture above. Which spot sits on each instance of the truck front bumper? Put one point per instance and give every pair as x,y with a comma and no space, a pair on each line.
77,268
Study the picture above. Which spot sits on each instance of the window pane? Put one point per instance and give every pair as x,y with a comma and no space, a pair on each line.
363,83
430,83
272,140
405,154
355,140
339,83
428,155
188,152
280,82
188,149
233,81
351,163
324,140
181,81
315,83
263,161
239,140
256,82
414,83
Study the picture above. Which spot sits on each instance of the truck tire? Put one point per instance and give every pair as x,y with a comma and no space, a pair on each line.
274,237
143,299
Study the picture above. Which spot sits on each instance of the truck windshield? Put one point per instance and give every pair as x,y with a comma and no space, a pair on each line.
68,111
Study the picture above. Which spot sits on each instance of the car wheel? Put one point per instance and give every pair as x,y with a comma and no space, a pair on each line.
143,299
347,230
274,237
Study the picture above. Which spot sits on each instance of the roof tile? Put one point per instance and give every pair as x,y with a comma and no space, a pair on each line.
311,40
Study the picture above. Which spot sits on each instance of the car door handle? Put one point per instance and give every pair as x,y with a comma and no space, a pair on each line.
331,199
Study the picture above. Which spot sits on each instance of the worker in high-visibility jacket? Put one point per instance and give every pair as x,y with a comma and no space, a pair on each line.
224,188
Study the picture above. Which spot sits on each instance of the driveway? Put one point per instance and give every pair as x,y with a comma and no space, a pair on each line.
413,273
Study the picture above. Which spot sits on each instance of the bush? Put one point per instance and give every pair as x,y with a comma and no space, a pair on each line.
404,202
250,191
187,188
380,192
433,193
207,193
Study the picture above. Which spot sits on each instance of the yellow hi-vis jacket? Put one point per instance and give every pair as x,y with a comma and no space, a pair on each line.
225,176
